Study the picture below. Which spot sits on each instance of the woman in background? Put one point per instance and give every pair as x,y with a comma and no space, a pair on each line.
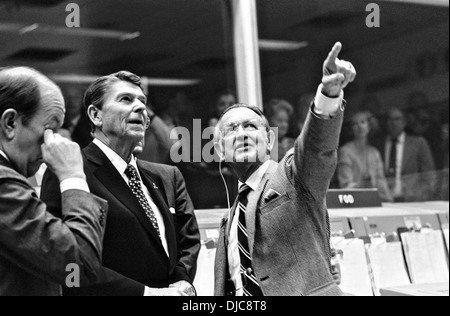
359,164
279,112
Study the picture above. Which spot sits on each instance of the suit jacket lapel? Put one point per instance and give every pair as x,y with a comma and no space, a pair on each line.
406,154
161,203
253,205
107,174
231,215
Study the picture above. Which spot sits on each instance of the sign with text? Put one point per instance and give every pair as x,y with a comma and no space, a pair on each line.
356,198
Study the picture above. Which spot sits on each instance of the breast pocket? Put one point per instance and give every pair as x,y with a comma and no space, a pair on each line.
280,202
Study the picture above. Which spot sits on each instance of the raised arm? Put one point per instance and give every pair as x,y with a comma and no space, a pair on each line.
315,154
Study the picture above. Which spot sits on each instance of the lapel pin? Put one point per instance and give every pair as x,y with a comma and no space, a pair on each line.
172,211
155,187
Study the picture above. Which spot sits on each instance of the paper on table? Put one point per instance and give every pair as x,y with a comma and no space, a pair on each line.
354,269
204,282
388,265
425,256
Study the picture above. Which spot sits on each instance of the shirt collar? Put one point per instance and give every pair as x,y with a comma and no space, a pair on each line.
257,176
400,139
4,155
115,159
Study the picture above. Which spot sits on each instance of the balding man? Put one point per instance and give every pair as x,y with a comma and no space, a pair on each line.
276,239
37,248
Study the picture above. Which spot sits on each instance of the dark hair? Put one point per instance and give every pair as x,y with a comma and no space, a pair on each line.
276,105
226,92
19,90
97,91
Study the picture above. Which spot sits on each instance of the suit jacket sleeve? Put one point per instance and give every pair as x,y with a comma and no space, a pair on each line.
426,157
188,232
315,154
120,285
44,245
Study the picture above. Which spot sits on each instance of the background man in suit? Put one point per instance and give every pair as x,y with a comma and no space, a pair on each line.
276,239
35,247
152,239
408,161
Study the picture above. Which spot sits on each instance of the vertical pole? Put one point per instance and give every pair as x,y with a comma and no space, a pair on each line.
248,71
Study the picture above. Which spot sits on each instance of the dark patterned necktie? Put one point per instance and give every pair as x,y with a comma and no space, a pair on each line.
392,170
251,286
136,188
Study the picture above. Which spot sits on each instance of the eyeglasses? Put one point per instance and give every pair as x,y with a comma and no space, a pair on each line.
232,128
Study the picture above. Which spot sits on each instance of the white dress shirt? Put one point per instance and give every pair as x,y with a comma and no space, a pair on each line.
398,190
4,155
68,184
324,107
121,166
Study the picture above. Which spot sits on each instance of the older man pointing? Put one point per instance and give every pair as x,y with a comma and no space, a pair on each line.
275,241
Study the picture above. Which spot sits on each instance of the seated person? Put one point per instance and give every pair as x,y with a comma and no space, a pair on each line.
359,164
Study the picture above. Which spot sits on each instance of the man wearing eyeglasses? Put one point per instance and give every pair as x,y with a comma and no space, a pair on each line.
276,239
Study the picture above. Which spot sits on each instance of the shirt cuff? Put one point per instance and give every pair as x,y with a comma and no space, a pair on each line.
74,184
325,106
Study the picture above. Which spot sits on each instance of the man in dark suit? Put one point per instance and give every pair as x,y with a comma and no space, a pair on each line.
38,250
276,239
152,239
409,163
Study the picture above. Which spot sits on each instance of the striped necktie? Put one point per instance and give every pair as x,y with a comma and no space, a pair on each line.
251,286
136,188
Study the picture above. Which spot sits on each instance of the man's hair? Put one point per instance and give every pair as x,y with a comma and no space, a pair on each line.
20,90
396,109
96,93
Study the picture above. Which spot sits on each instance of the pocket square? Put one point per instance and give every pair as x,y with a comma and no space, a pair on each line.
271,194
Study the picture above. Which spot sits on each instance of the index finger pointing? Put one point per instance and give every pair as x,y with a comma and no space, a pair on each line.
334,53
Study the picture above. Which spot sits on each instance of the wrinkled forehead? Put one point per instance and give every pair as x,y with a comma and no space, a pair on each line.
239,115
121,87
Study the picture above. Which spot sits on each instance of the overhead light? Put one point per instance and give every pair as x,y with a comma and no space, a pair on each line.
170,82
443,3
274,45
66,31
163,82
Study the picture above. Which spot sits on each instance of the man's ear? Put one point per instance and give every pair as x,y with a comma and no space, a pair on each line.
270,140
8,123
95,115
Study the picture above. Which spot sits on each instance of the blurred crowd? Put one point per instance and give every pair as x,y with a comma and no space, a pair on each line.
402,152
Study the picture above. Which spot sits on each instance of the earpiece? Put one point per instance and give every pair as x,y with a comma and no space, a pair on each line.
219,151
221,156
